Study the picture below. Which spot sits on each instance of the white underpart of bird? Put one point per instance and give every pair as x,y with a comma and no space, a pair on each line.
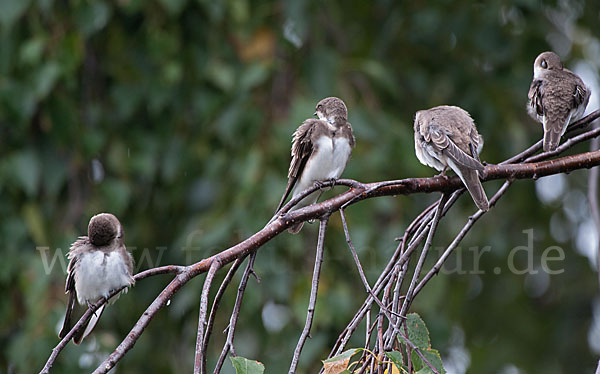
98,281
328,163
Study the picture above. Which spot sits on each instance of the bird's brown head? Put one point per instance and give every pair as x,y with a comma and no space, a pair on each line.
332,110
103,228
546,61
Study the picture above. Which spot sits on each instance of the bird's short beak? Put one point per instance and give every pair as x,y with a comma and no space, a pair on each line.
315,113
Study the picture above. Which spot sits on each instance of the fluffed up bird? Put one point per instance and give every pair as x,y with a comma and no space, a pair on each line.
446,136
557,97
320,150
99,263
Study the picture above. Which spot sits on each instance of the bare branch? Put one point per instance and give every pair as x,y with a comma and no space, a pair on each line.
584,122
200,355
217,300
438,265
593,199
313,294
228,346
422,219
436,219
382,307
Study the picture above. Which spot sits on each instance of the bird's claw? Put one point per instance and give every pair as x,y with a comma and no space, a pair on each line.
321,184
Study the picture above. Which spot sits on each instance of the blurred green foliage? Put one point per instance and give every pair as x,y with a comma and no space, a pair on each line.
177,115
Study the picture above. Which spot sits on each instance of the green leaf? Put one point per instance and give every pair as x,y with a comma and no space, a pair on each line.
397,359
417,331
244,366
433,356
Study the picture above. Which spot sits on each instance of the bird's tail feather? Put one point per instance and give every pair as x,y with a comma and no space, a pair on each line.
471,180
553,130
67,323
308,200
87,328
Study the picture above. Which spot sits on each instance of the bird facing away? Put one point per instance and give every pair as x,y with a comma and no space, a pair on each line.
446,136
320,150
557,97
99,263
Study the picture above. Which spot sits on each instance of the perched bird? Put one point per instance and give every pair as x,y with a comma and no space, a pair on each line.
557,97
320,150
99,263
446,136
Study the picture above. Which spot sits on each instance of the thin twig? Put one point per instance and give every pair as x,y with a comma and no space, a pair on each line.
235,314
390,336
593,199
525,155
436,219
383,309
512,171
438,265
313,295
217,300
583,122
200,354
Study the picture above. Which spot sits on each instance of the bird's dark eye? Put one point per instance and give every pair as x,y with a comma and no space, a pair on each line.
544,64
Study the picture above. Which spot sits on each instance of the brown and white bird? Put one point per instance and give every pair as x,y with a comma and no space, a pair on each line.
99,263
557,97
446,136
320,150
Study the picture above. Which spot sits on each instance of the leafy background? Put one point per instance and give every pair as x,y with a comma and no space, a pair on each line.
177,115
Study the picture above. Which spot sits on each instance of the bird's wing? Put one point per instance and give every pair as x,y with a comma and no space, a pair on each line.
475,144
559,105
73,256
471,180
129,263
70,289
581,95
442,142
536,107
348,127
302,148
